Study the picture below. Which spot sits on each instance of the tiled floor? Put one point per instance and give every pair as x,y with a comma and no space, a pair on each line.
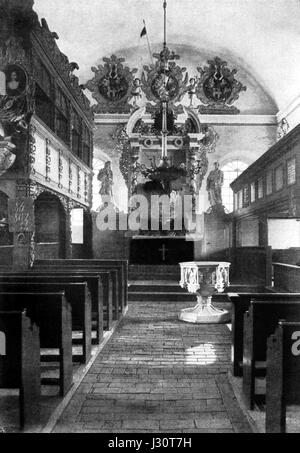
158,374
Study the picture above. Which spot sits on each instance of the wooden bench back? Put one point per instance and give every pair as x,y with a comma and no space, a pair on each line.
283,371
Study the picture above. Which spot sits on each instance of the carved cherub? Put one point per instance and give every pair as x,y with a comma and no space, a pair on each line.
136,91
192,89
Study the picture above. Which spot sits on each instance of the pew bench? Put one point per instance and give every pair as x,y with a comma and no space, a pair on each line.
74,270
20,362
99,284
240,304
283,372
52,313
77,295
120,265
260,322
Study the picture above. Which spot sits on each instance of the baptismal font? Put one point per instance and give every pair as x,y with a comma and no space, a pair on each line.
203,278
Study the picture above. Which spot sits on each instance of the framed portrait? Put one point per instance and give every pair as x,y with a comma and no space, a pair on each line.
16,80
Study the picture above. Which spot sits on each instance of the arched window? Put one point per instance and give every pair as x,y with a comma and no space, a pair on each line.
231,171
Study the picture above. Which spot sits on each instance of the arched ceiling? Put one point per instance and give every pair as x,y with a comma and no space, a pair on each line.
260,38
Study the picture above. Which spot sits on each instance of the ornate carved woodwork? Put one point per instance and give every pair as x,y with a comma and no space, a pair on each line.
111,86
217,88
61,63
164,81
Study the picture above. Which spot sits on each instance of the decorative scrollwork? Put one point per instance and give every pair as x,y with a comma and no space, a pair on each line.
70,176
78,183
48,160
111,86
32,150
197,169
161,83
210,139
60,169
218,88
62,64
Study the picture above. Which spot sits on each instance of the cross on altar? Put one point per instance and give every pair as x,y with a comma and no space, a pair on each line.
163,251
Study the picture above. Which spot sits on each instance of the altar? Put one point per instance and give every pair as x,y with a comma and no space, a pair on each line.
160,250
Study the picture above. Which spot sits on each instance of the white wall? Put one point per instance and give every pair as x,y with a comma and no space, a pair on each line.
284,233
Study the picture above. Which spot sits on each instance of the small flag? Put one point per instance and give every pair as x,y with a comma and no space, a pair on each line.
143,32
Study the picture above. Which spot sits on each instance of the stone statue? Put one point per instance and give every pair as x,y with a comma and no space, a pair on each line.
105,176
214,186
283,128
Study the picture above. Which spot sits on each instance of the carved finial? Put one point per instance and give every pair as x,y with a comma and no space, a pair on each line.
46,27
73,66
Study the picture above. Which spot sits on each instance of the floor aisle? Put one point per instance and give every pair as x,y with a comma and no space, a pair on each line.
158,374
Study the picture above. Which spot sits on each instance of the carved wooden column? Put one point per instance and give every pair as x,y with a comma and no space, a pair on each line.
22,224
134,157
67,205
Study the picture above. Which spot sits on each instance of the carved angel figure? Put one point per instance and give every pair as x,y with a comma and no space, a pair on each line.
136,91
192,90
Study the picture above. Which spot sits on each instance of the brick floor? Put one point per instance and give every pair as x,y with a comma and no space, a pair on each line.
158,374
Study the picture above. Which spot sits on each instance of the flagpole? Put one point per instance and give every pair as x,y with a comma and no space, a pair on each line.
150,52
165,24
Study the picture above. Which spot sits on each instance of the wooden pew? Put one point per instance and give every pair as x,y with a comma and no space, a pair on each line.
283,372
120,265
240,304
20,362
53,315
74,269
116,271
100,287
77,295
259,323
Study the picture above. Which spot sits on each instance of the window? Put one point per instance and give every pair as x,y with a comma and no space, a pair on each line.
62,116
235,201
240,199
76,135
279,178
231,171
252,192
269,185
291,171
77,220
246,196
260,188
44,106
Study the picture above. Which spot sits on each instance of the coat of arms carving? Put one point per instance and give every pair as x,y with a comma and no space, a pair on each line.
111,86
164,81
218,88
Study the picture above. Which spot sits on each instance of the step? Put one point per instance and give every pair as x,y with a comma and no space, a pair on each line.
156,288
154,272
161,297
171,296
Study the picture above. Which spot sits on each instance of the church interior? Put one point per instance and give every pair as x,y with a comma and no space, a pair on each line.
149,216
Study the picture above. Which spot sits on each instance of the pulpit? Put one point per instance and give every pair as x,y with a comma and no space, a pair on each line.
203,278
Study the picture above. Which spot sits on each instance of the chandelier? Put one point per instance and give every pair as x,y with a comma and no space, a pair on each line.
164,172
